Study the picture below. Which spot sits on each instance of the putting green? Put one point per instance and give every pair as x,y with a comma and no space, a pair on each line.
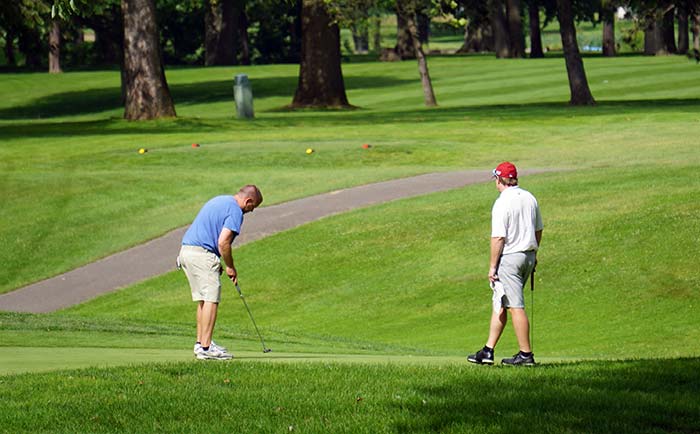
18,360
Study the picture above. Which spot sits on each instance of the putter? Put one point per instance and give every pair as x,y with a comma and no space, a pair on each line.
532,310
265,349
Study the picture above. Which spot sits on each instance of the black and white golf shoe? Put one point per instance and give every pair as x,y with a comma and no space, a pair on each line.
520,359
482,357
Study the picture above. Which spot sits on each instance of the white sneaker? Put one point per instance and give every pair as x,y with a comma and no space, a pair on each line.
213,354
215,345
198,347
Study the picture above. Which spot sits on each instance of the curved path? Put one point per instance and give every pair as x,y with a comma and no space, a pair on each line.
158,256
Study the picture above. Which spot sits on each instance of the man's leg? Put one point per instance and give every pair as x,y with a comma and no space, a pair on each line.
206,319
522,328
498,323
199,321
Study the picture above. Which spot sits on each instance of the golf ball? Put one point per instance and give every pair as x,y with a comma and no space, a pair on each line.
309,151
143,151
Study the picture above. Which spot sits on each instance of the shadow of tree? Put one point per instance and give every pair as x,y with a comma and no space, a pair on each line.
590,397
290,118
109,99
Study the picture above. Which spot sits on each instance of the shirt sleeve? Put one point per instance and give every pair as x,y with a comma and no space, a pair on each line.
499,221
234,222
539,225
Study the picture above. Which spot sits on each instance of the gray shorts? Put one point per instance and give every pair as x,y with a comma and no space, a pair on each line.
203,270
513,272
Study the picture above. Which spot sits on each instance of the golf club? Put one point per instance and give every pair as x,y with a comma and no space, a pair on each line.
532,309
265,349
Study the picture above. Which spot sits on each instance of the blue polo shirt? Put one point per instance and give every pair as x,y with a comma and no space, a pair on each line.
220,212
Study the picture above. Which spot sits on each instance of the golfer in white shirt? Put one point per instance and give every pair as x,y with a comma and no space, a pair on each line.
516,232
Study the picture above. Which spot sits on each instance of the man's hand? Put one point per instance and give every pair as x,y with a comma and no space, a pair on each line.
232,274
493,276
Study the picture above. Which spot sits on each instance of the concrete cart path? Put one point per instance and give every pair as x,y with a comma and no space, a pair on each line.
158,256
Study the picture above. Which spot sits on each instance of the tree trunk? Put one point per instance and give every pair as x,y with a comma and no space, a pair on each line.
683,29
669,35
696,37
477,37
404,45
360,37
320,74
578,84
536,51
501,39
147,92
653,38
377,24
30,46
428,94
219,29
608,15
423,26
10,47
515,29
241,31
55,48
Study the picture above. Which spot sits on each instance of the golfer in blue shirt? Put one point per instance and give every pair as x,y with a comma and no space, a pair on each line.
207,241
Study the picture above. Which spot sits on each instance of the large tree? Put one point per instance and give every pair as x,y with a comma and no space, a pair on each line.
578,84
147,93
696,35
683,41
55,47
516,37
320,74
607,16
404,44
219,28
668,29
410,9
533,10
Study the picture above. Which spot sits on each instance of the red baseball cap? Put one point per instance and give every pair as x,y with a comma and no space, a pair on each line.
506,170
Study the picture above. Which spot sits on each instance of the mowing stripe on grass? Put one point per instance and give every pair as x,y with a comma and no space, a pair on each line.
19,360
158,256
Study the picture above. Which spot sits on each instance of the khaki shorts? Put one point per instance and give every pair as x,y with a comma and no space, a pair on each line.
203,271
513,271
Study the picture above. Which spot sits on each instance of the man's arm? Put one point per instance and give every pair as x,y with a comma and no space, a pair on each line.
225,240
538,237
497,244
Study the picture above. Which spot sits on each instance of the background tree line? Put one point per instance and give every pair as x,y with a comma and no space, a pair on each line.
141,36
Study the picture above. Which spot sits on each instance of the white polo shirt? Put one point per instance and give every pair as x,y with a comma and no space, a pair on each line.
516,217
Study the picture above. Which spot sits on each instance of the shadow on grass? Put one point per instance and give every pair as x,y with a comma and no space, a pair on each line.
590,397
281,118
109,99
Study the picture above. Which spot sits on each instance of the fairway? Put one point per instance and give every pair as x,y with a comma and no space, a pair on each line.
369,313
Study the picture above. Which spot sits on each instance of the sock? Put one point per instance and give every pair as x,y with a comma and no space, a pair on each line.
486,347
526,354
205,348
198,343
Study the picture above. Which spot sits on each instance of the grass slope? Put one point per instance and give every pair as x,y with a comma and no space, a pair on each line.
419,264
72,182
390,285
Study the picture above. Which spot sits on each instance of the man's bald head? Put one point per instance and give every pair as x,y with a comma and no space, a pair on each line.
249,197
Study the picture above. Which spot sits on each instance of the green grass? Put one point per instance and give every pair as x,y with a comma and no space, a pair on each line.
73,182
385,301
634,396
